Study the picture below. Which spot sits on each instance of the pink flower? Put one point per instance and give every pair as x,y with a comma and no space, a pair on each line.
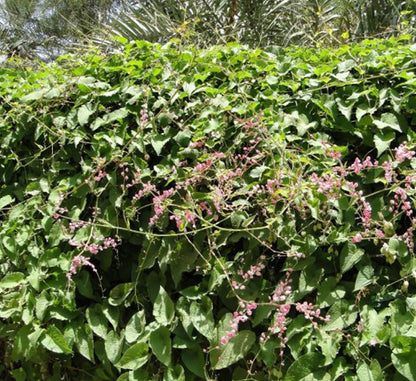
379,233
402,153
357,238
100,175
144,117
366,212
388,170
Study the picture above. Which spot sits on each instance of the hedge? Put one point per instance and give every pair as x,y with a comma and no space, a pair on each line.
178,214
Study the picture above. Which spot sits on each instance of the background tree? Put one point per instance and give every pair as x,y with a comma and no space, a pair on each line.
262,22
46,27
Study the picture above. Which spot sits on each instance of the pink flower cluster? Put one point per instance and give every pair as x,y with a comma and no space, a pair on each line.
410,181
76,263
408,238
283,308
253,271
190,217
202,166
94,248
401,199
311,313
353,189
147,188
158,206
101,174
244,160
58,208
251,124
329,185
336,155
379,233
75,225
402,153
198,144
230,175
204,207
284,289
279,326
144,117
237,318
365,212
388,171
358,166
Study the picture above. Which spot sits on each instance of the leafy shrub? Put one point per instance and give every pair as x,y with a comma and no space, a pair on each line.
224,214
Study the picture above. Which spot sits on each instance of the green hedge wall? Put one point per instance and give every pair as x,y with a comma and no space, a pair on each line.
222,214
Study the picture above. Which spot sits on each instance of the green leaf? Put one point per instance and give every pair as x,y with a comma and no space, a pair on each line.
304,366
5,200
96,320
163,309
135,357
339,367
84,284
135,326
43,301
271,79
119,114
403,356
161,345
350,255
55,341
12,280
364,277
84,341
109,118
158,142
194,360
398,247
382,141
363,109
83,114
26,341
185,256
175,373
257,172
34,95
119,293
411,303
236,349
388,120
369,372
343,313
189,88
113,346
112,314
202,317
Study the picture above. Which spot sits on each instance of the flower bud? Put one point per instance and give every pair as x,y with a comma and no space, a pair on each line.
388,228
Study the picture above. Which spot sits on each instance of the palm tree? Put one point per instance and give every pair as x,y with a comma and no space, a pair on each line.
205,22
45,28
258,22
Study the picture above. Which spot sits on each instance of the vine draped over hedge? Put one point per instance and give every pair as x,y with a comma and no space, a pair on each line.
221,214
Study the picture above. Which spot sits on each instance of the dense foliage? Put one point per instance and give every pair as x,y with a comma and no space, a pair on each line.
220,214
